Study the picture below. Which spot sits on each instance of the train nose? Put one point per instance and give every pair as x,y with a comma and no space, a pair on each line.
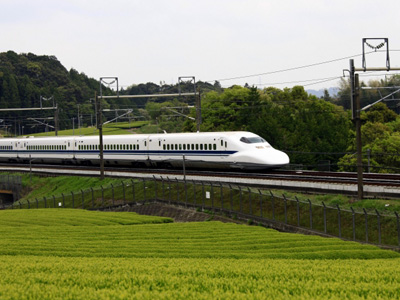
281,158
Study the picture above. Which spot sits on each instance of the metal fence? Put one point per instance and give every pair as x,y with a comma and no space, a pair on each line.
236,201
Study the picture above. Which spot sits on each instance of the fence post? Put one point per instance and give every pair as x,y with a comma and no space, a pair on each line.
298,211
398,227
285,207
144,190
112,192
240,200
261,206
73,200
123,192
102,196
133,190
54,201
162,187
62,194
92,197
194,193
155,188
273,205
83,199
169,192
204,195
177,190
250,206
310,205
366,225
324,216
339,221
231,195
186,196
354,222
212,196
222,197
379,226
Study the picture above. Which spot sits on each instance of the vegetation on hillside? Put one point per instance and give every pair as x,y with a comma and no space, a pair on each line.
312,131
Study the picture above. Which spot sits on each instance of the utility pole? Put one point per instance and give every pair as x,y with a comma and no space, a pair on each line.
56,120
355,110
356,105
100,128
198,111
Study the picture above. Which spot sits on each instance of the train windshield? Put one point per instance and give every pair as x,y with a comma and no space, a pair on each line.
253,140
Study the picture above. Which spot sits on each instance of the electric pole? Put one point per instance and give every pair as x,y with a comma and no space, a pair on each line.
100,128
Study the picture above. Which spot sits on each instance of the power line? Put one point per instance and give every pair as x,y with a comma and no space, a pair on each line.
289,69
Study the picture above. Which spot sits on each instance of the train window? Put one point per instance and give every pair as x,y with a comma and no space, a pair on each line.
222,143
167,146
69,145
130,147
209,146
117,147
137,147
197,146
159,143
184,146
214,146
145,143
226,144
164,147
192,147
180,146
252,140
205,146
201,146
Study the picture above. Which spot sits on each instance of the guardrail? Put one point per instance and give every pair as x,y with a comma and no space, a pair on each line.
236,201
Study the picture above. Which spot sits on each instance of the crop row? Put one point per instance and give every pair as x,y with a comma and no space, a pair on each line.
29,277
192,240
74,217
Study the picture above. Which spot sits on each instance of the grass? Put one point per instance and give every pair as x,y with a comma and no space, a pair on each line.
108,129
76,254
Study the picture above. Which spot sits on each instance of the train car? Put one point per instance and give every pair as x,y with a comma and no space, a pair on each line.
221,150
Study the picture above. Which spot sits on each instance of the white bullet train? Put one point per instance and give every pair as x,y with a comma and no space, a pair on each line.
222,150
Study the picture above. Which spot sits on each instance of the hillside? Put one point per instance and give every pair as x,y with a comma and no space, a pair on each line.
27,80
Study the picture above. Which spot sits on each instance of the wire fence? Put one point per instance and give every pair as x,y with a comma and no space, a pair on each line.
238,202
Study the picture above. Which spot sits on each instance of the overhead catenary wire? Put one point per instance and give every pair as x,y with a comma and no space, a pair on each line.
288,69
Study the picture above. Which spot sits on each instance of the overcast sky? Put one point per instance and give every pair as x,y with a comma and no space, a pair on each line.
154,40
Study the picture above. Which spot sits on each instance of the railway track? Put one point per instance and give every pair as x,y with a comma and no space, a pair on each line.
375,185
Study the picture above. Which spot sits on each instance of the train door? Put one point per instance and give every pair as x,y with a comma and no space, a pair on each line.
145,145
222,144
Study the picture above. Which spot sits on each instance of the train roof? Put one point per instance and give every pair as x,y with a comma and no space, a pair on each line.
155,135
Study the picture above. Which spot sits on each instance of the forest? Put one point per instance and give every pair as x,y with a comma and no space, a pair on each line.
317,133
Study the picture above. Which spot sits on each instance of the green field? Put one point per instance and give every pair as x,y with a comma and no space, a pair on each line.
77,254
108,129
